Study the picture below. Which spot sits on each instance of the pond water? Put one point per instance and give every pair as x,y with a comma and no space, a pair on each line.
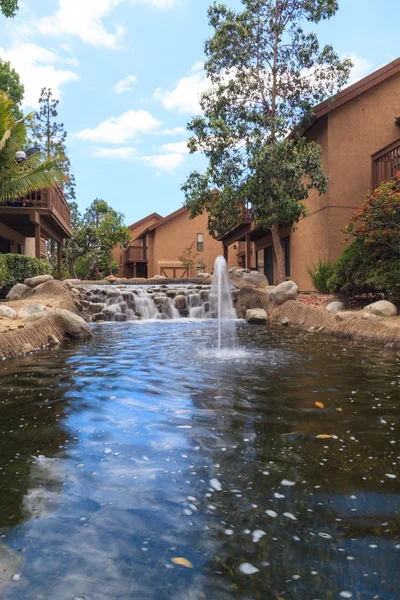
119,456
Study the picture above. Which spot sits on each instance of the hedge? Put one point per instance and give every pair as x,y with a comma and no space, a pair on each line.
15,268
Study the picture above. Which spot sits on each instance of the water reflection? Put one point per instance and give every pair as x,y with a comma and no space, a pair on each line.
119,455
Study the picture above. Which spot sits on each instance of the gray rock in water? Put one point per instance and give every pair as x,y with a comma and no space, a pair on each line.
73,325
256,315
180,303
96,307
382,308
287,290
335,306
34,281
7,312
100,317
17,292
285,322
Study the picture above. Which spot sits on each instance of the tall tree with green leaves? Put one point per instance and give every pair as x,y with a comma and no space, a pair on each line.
9,8
95,234
51,137
266,72
10,83
17,180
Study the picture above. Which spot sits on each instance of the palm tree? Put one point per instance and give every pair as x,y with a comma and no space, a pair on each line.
18,180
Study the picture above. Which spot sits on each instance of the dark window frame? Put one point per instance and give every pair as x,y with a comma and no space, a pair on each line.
200,245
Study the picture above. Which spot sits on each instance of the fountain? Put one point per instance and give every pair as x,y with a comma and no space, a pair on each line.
222,306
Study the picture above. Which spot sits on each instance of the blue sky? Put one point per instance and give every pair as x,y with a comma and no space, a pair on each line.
128,74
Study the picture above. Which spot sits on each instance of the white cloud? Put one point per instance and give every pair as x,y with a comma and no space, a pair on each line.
126,153
84,19
185,97
38,68
119,130
125,85
174,131
164,162
361,67
179,147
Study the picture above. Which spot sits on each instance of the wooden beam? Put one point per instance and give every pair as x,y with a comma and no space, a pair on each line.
226,252
38,237
59,256
248,251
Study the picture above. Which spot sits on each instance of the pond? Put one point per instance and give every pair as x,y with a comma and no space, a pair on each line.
142,466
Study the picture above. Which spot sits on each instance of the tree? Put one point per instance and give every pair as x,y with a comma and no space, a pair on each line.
51,136
95,234
188,257
10,83
17,180
9,7
266,74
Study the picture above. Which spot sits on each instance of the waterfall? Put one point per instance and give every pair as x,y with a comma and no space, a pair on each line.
132,303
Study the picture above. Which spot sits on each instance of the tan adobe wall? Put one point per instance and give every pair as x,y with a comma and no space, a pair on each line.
348,136
168,241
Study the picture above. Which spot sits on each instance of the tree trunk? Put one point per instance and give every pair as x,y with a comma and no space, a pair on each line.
280,257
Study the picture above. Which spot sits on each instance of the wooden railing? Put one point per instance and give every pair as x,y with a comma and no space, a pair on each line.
386,163
134,253
52,200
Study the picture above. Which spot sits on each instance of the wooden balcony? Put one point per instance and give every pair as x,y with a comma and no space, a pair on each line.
135,254
385,163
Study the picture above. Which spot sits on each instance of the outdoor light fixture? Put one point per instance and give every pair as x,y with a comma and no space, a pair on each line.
20,156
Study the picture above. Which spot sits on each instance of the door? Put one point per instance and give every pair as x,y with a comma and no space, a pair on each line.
269,264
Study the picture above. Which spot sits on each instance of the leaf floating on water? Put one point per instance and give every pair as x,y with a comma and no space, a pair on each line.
216,485
248,569
339,409
319,404
183,562
323,436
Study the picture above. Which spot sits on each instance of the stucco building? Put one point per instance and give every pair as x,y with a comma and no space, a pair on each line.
157,242
359,132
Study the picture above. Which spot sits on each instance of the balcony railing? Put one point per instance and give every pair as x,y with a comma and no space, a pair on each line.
52,200
386,163
135,253
247,212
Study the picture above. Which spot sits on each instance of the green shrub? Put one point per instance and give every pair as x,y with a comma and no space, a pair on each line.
320,272
15,268
361,269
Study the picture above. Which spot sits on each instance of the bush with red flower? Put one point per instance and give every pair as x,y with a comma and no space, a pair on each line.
371,264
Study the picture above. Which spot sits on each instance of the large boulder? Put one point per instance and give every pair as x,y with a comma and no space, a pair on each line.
17,292
256,315
7,313
382,308
288,290
73,325
335,306
34,281
240,277
180,302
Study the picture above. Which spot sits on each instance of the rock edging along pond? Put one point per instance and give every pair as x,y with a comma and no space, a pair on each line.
364,324
39,313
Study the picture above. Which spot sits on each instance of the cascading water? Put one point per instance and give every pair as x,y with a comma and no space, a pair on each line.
222,305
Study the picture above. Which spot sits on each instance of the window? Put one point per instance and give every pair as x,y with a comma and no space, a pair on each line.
286,250
200,242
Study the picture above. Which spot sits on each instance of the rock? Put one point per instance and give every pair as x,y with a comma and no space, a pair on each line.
285,322
335,306
256,315
240,277
7,312
34,281
287,290
33,312
72,282
17,292
382,308
204,275
111,279
73,325
180,302
159,277
345,315
158,300
52,340
96,307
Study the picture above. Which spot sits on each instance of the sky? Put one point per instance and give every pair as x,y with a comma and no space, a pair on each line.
128,74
